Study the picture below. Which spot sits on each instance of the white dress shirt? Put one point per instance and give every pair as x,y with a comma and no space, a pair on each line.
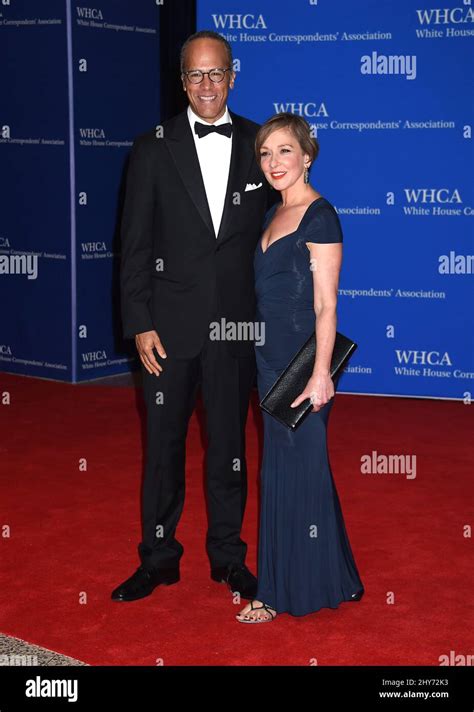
214,151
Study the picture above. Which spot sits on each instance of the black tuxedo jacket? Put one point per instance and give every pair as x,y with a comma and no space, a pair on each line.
175,274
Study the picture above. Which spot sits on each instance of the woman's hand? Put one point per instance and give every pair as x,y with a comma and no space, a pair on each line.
320,389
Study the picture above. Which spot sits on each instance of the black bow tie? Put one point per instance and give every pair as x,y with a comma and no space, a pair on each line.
205,129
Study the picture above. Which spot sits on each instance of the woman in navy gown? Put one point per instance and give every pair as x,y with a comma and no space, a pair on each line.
305,561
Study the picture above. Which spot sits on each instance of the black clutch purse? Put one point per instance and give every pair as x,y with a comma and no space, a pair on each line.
296,375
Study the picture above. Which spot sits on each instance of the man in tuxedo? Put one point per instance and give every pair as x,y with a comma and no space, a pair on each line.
194,204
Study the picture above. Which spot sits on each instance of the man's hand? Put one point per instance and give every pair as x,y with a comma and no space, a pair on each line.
145,343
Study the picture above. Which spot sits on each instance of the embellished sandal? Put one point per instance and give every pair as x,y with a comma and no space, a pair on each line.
257,620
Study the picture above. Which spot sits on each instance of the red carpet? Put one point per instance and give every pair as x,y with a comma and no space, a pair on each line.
74,533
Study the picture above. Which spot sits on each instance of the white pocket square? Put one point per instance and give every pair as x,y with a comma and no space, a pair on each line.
252,186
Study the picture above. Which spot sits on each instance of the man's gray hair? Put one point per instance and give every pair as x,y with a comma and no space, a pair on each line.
205,34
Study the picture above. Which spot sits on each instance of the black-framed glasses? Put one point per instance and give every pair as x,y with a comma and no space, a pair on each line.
195,76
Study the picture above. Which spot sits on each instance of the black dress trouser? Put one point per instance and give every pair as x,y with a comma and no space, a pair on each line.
226,382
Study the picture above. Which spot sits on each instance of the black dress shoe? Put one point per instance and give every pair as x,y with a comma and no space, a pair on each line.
238,578
143,582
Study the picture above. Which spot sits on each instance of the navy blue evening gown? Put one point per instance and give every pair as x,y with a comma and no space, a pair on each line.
305,560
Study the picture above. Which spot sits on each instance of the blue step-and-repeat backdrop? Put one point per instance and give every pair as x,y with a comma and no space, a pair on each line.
79,81
388,90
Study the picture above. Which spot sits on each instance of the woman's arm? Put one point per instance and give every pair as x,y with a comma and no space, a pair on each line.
325,264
